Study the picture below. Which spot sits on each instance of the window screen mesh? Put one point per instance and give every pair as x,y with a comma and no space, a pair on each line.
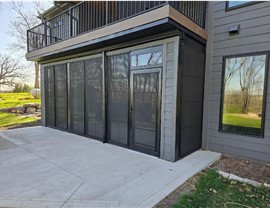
118,98
77,96
94,97
49,93
145,104
61,96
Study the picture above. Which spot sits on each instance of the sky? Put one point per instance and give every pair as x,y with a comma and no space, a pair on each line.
7,14
259,66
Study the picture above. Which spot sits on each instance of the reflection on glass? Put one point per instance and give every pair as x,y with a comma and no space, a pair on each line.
243,94
146,57
236,3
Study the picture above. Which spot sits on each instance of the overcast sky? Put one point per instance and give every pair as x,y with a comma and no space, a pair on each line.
7,14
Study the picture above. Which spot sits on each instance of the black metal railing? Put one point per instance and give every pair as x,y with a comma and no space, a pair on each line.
90,15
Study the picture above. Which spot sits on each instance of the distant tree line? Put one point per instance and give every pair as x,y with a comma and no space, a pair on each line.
21,88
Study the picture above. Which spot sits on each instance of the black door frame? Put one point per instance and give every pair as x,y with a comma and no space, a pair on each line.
147,70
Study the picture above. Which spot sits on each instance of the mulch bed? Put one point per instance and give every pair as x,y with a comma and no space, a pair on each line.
253,170
23,125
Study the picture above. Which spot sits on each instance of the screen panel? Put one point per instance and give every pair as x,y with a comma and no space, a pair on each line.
94,97
61,96
117,111
145,110
49,96
77,96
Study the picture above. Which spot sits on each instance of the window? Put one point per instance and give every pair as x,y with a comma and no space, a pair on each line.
146,57
243,94
236,4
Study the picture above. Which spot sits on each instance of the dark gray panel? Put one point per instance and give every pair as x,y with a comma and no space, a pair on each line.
117,117
189,125
77,96
94,97
61,96
49,96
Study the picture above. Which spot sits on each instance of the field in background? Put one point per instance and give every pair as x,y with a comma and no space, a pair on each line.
8,100
238,120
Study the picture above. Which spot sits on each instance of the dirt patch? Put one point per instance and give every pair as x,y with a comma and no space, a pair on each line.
30,124
174,197
253,170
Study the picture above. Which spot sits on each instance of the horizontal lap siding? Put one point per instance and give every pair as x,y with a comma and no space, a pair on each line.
169,102
254,36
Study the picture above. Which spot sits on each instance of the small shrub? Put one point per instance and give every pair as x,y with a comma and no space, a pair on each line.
21,88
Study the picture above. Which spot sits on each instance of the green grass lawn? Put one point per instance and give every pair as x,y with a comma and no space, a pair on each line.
8,100
7,119
235,120
213,191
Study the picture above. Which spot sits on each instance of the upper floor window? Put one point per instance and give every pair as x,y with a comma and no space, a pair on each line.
237,4
244,94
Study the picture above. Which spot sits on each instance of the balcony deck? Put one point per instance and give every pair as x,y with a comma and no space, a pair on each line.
40,44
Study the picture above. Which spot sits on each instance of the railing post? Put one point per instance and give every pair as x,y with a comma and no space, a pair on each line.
27,32
36,45
45,32
107,12
70,22
204,14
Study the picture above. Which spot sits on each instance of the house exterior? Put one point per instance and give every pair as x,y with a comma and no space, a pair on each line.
251,40
162,78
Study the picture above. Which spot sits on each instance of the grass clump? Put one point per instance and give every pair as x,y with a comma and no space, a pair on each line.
236,120
8,119
214,191
8,100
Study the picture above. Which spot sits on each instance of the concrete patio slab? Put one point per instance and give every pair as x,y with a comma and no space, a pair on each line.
49,168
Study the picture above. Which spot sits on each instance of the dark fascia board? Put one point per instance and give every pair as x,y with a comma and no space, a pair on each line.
227,9
187,31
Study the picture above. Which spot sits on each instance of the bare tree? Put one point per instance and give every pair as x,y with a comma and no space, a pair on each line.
249,77
232,69
24,21
10,71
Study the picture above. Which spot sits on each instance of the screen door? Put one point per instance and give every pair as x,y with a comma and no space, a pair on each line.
145,110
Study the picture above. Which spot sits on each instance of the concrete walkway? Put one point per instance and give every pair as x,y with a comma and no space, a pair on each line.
43,167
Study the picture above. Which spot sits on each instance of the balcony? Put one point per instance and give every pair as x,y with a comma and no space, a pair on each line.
86,17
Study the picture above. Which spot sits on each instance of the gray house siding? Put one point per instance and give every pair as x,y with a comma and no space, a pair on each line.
254,36
168,108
